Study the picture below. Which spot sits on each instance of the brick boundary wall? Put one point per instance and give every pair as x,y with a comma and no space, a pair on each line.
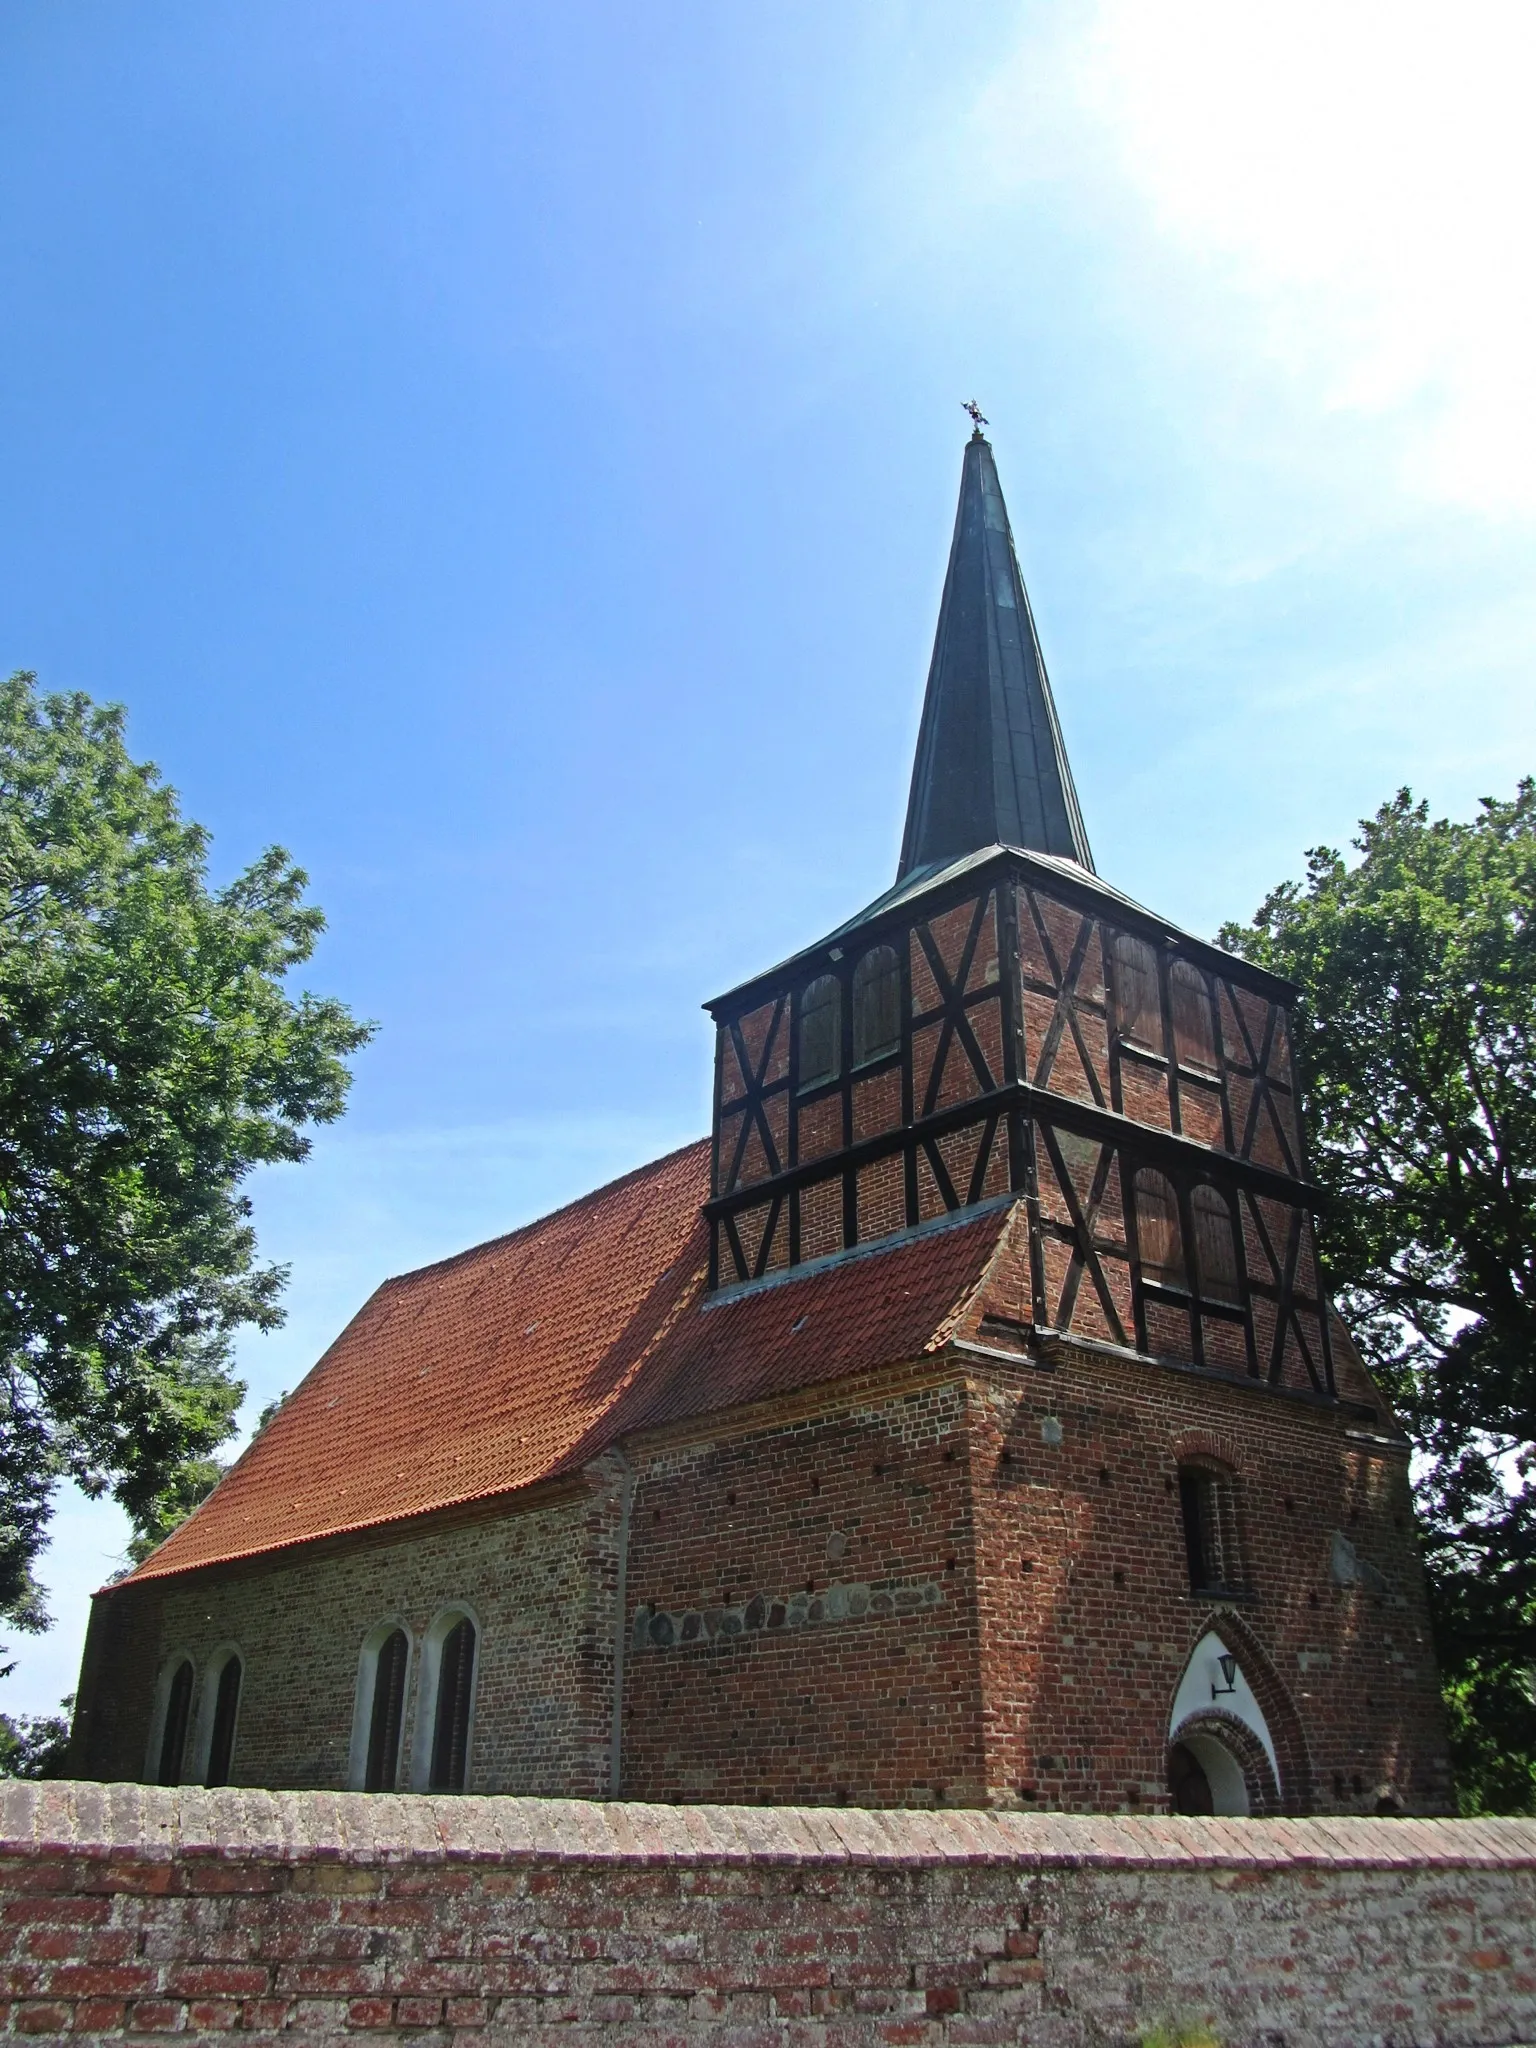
324,1916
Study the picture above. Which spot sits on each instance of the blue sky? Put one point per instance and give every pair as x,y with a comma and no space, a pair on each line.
507,455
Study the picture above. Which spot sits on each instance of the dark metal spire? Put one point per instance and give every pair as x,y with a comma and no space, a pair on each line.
991,768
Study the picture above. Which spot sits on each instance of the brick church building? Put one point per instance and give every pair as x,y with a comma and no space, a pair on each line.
962,1421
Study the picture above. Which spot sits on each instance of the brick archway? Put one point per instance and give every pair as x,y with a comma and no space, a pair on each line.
1274,1702
1246,1750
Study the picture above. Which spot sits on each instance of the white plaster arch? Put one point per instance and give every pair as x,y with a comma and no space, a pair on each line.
207,1705
429,1667
362,1705
1195,1697
163,1683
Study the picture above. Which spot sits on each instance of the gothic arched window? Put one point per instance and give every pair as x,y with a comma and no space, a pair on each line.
821,1031
1158,1237
455,1696
1215,1245
1138,1009
386,1712
1194,1029
876,1005
226,1713
173,1730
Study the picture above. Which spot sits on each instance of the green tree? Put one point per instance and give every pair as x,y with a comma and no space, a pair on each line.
1416,1034
150,1058
36,1745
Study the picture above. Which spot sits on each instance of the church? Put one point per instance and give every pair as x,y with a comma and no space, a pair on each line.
962,1422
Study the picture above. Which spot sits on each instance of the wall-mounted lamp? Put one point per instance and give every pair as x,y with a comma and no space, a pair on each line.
1228,1667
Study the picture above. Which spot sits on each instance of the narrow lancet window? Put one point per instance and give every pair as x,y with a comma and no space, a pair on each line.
1138,1010
226,1711
455,1691
1194,1030
876,1005
173,1736
387,1713
1215,1245
821,1029
1212,1548
1159,1239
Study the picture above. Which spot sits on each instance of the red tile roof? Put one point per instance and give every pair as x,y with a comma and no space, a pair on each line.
527,1356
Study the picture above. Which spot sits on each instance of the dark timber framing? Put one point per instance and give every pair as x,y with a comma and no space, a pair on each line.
1008,1095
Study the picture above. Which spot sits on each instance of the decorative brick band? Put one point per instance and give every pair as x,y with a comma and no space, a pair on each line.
126,1909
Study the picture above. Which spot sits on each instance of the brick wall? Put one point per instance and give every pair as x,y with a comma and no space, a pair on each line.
126,1911
960,1582
804,1610
1087,1618
539,1583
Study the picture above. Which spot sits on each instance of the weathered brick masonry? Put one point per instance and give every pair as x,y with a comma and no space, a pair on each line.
134,1911
891,1592
539,1584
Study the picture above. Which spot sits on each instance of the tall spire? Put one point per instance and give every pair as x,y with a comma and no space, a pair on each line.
991,767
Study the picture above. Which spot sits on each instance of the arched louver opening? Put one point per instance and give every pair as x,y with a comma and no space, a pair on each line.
387,1714
1138,1009
1159,1239
1194,1027
821,1028
876,1005
450,1726
1215,1246
173,1736
226,1711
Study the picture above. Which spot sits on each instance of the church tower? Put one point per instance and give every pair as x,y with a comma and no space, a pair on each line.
1004,1031
1002,1023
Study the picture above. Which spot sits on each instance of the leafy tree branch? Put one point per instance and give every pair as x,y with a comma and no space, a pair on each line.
150,1058
1416,1032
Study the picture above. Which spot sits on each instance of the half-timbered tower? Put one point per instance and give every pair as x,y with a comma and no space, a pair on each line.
964,1420
1003,1025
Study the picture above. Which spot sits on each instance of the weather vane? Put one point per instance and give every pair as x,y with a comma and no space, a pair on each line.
978,417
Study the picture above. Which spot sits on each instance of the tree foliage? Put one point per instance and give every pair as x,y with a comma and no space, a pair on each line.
36,1745
1416,1033
150,1058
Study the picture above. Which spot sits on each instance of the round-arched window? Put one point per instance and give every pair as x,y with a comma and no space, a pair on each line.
821,1030
1194,1028
1158,1237
1215,1245
876,1005
173,1730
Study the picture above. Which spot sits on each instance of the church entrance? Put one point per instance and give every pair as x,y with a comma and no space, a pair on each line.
1205,1777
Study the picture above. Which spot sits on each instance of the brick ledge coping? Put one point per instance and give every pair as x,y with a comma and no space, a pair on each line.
142,1822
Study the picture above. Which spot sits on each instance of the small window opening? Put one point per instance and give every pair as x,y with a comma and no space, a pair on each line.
173,1739
1194,1028
388,1712
450,1727
1209,1510
876,1006
1138,1012
820,1032
1215,1245
226,1711
1159,1240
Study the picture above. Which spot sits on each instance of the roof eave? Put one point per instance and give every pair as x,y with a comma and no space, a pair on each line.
1074,882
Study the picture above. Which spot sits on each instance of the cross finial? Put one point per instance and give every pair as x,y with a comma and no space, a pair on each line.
978,417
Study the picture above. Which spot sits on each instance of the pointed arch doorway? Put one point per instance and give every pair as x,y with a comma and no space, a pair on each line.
1222,1757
